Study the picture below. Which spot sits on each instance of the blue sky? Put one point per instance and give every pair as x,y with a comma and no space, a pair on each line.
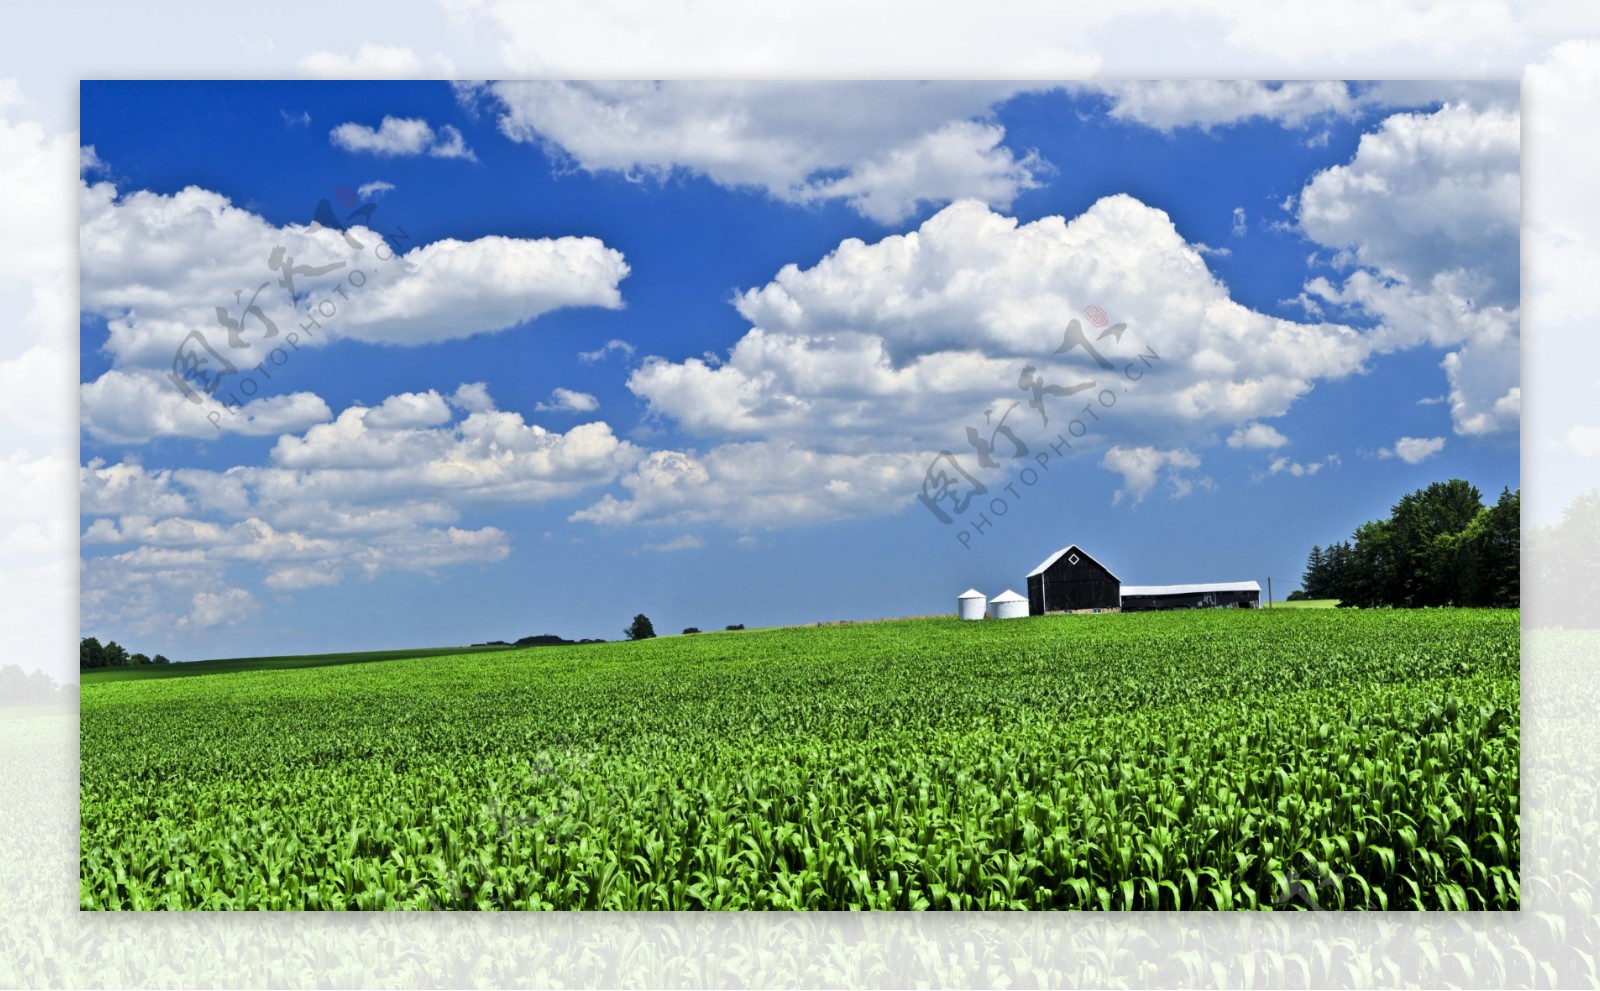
815,289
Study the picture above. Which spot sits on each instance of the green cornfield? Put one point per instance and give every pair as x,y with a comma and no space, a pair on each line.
1235,760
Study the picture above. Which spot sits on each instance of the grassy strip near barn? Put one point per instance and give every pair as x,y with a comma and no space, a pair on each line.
1229,759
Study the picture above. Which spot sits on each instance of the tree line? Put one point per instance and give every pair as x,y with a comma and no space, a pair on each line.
93,654
1439,546
642,629
1566,561
19,687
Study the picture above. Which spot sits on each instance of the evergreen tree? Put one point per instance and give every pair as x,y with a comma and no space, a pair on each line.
1371,576
1315,576
1336,564
1439,546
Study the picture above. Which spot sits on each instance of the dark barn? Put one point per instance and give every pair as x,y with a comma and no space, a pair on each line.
1214,595
1072,581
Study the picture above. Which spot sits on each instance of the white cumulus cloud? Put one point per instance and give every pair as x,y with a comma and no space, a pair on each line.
757,485
1413,450
1426,218
166,307
402,136
907,338
134,407
1288,466
569,401
1256,435
1583,440
600,353
373,490
880,355
375,62
1142,467
1206,103
884,148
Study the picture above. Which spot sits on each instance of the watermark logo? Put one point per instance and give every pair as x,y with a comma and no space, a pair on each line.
199,369
949,490
323,216
1303,889
560,774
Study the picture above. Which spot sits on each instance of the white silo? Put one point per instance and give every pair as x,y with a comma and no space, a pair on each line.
971,604
1009,605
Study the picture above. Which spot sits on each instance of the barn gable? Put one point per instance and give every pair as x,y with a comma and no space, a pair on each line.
1069,581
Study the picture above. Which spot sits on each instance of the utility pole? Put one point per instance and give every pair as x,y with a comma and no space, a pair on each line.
1269,592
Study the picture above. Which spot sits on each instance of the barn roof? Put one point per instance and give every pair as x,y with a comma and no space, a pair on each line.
1058,555
1007,596
1128,590
970,593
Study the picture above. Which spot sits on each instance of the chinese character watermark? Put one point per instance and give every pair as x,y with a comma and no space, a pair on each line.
199,369
949,490
559,776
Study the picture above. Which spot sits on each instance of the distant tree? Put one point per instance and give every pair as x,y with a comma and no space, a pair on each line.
160,659
1567,558
1502,549
139,659
640,628
1483,560
91,654
1315,574
115,654
1369,573
691,629
735,626
1326,570
1417,574
1298,595
1439,546
1336,571
18,688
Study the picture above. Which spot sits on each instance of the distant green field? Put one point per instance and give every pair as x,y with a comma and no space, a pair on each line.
291,662
1226,759
1307,604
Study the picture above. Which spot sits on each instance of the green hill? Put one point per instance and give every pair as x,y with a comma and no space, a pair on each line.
1228,759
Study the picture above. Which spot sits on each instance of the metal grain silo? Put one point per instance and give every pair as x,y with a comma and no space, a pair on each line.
1009,605
971,604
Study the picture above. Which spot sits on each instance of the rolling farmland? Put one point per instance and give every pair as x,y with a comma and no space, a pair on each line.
1241,759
